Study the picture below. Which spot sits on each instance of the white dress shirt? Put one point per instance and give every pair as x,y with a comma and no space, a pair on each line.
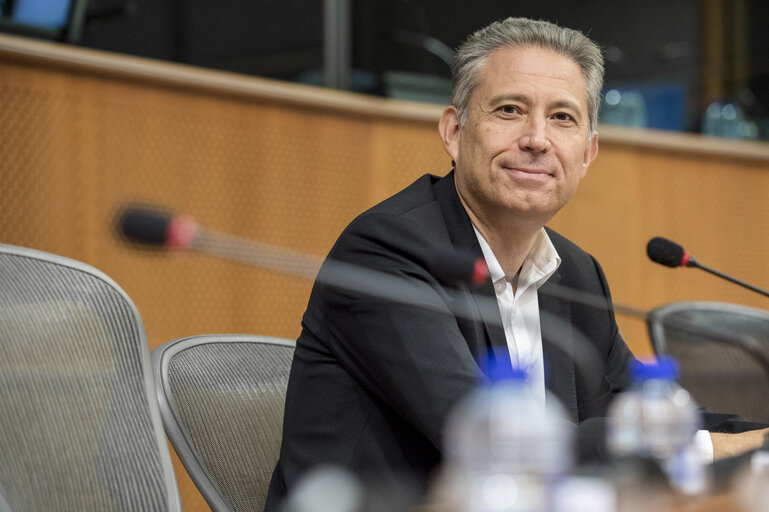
519,306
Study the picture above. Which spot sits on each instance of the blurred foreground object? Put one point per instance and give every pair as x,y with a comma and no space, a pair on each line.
504,450
657,419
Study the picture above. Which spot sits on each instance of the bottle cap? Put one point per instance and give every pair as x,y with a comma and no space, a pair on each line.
663,368
499,369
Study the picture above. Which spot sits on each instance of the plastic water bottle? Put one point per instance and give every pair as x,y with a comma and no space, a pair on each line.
712,121
658,419
728,120
752,489
504,450
624,108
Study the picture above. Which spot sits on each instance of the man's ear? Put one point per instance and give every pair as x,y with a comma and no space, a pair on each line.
591,151
448,127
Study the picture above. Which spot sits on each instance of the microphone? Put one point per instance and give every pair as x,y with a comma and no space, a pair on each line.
665,252
156,227
457,267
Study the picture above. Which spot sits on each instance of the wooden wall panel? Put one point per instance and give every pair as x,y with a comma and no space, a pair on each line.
84,132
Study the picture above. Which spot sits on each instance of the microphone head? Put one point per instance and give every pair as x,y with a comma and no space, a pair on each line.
663,251
451,267
144,225
153,226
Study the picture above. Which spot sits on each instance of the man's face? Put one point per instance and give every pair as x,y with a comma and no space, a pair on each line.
524,146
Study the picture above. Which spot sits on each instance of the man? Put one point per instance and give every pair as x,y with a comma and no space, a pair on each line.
373,380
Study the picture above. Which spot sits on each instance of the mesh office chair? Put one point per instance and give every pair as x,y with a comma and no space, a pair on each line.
79,425
222,399
722,350
4,506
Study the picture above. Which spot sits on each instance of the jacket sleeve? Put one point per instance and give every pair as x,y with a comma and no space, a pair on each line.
403,345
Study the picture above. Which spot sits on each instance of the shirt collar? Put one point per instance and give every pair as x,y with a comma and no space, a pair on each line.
541,262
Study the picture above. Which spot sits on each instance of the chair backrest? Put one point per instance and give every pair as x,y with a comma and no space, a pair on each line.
710,340
222,399
79,424
4,506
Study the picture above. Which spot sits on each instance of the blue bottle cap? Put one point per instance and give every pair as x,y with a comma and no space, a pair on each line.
500,373
499,369
663,368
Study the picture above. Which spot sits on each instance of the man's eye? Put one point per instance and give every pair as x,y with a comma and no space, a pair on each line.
563,116
509,109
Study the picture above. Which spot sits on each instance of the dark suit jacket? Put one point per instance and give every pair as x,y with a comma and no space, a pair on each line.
373,381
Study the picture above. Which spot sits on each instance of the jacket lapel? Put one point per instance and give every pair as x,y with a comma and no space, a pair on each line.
486,337
558,346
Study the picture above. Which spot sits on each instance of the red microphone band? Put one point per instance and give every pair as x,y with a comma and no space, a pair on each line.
480,272
685,259
181,232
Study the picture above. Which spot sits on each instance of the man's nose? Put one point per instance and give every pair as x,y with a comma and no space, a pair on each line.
535,136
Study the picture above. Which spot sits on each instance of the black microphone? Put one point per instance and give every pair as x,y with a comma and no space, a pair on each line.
156,227
665,252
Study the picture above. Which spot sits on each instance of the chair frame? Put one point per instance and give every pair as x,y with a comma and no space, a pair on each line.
172,490
655,324
169,411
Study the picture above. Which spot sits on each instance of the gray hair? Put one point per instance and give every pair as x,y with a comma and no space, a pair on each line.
471,56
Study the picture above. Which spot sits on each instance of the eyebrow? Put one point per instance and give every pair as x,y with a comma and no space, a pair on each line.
509,97
567,104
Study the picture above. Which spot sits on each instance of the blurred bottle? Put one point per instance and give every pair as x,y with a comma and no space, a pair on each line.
727,119
712,120
658,420
752,487
505,451
623,108
326,489
330,488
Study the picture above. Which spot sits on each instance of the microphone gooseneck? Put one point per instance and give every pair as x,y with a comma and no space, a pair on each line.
157,227
150,226
663,251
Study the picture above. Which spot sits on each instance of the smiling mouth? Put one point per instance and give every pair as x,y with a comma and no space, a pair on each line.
528,173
